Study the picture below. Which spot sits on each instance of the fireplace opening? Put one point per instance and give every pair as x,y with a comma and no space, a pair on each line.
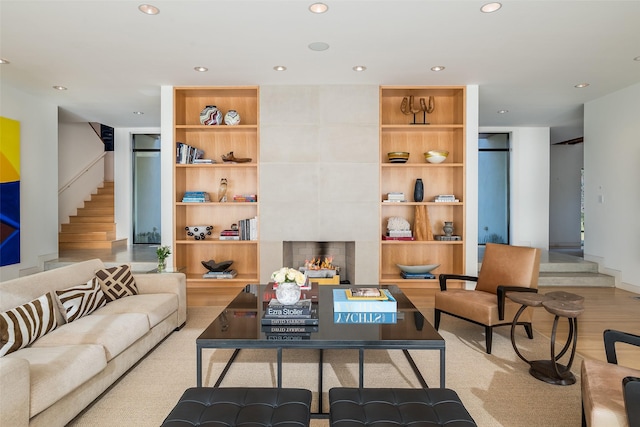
340,255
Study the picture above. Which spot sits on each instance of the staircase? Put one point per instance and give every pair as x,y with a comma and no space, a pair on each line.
94,225
572,272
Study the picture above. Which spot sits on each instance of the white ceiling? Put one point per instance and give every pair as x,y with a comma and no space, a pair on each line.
526,58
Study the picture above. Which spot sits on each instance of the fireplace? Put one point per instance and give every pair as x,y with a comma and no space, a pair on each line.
296,253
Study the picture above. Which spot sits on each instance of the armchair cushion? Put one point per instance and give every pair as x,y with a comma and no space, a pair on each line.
602,397
478,306
508,265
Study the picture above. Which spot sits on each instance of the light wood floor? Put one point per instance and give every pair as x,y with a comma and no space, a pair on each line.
605,308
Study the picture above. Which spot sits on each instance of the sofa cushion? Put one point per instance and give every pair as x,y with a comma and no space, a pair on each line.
115,332
56,371
156,307
80,300
24,324
117,282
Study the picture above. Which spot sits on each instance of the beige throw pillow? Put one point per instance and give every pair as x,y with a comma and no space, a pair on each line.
22,325
117,282
81,300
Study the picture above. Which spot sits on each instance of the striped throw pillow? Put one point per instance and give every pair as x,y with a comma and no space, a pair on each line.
22,325
81,300
117,282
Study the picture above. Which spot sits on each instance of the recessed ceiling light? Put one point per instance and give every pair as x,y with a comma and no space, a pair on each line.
148,9
437,68
280,68
359,68
581,85
318,46
59,88
139,113
4,61
637,58
490,7
318,8
201,69
503,111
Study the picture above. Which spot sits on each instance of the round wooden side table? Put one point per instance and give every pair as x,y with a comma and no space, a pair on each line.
561,304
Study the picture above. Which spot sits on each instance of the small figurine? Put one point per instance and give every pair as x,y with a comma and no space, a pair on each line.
222,190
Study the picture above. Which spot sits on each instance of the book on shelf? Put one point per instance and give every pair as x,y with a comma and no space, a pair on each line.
245,198
289,329
288,337
227,274
399,233
406,275
301,309
187,154
342,304
443,238
229,237
203,161
364,317
366,294
385,237
445,198
288,321
230,233
195,197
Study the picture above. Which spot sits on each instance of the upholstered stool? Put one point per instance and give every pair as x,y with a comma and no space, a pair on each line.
238,406
397,406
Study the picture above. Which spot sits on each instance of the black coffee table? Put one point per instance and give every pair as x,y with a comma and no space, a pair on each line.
239,327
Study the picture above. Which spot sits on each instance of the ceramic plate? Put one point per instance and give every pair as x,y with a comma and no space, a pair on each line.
418,268
398,160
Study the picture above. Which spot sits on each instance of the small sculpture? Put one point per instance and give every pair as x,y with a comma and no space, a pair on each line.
222,190
398,223
426,106
229,157
211,265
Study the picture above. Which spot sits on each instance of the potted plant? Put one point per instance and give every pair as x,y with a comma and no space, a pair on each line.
163,253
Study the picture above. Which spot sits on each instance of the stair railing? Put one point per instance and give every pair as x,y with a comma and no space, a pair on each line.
82,172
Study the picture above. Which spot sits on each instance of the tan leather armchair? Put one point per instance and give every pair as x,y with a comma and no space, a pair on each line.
611,393
504,269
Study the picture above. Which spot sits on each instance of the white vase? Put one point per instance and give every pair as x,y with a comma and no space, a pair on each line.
232,118
288,293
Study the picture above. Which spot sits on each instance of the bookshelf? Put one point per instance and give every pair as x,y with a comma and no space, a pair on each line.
242,179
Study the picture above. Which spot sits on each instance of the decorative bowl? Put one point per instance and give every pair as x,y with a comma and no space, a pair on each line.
199,232
436,156
419,269
211,265
398,156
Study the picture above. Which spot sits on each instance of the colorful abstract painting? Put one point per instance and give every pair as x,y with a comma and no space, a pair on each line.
9,191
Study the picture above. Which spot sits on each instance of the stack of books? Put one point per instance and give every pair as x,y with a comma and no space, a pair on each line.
445,198
203,161
195,197
406,275
245,198
226,274
395,197
364,305
248,228
399,235
230,234
289,322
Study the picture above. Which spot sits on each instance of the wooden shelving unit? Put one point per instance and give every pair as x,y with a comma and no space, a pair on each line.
243,178
445,131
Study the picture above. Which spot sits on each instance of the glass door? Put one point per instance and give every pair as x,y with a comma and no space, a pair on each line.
146,189
493,188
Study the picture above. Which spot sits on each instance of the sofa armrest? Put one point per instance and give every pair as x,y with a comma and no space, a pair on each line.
165,283
631,393
15,389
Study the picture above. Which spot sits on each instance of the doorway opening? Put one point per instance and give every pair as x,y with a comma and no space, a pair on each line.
493,188
147,216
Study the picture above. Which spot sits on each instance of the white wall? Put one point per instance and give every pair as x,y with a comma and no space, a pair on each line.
78,146
529,204
38,179
566,162
612,176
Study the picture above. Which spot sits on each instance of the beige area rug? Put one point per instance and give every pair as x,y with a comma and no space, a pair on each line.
496,389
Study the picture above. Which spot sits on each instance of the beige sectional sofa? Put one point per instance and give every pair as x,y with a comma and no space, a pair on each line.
53,379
